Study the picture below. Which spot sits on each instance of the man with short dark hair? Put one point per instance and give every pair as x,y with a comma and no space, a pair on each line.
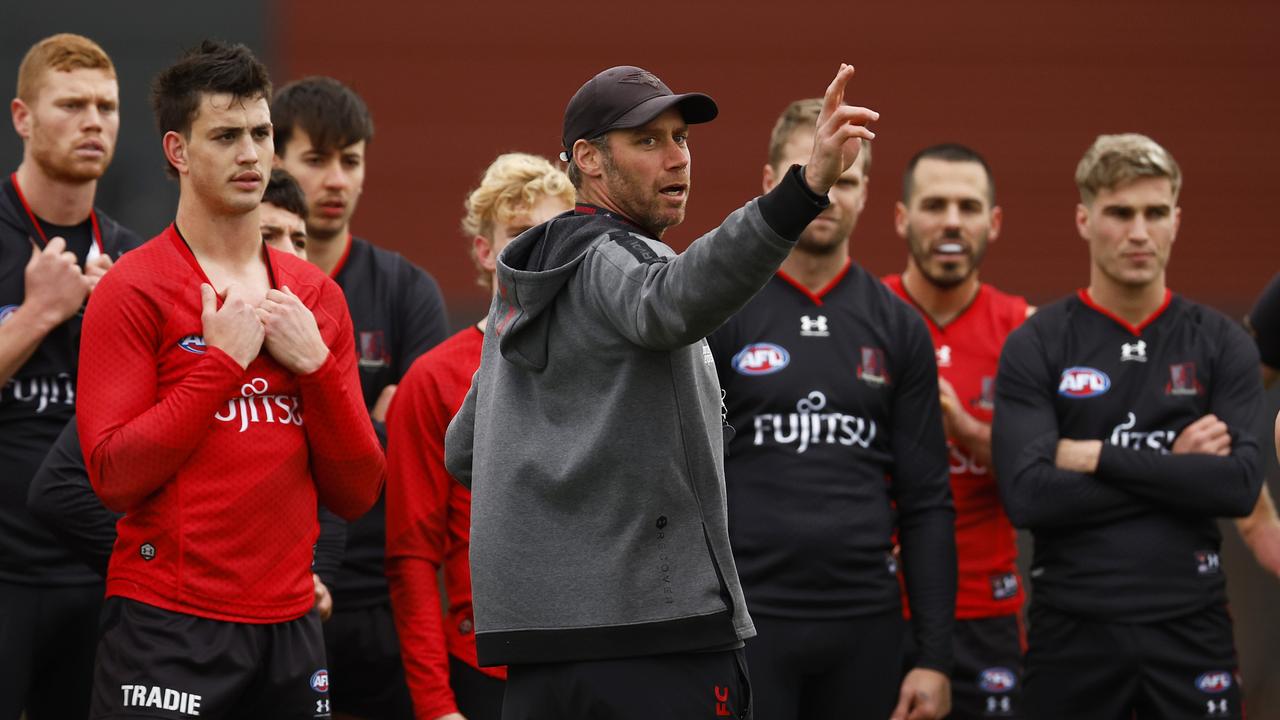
323,130
1124,428
54,247
592,436
220,401
838,450
948,217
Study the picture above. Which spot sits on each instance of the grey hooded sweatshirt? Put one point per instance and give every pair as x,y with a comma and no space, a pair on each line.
593,441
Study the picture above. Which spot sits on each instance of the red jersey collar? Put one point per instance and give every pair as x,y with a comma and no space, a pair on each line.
816,297
1136,330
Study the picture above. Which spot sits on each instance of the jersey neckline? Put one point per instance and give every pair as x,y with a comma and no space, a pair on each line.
817,297
1135,330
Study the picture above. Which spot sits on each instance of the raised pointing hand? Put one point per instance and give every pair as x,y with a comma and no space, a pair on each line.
838,135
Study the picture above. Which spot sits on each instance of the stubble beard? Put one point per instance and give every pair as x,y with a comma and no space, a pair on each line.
640,207
944,280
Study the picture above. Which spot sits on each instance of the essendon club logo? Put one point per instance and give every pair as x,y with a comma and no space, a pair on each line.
872,370
1182,380
373,349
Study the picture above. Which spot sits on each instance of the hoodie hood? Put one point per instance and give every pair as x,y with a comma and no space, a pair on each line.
532,270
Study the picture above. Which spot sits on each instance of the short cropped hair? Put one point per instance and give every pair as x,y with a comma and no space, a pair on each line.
63,52
285,193
512,184
331,114
1114,160
213,67
803,115
947,152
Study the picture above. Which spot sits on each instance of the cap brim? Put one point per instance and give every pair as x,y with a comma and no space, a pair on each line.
694,107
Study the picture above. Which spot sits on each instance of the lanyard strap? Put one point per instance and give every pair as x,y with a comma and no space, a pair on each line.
94,250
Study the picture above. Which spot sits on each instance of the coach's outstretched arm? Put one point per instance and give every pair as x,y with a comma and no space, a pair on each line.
1024,442
663,305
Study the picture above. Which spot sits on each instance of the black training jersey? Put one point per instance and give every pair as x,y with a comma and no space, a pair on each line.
1264,322
834,400
398,314
39,400
1136,541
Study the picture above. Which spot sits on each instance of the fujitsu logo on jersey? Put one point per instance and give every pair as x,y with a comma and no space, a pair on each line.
42,392
809,426
1123,435
254,406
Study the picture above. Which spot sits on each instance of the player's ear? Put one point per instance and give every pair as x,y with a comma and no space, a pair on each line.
1082,221
997,218
486,258
21,118
770,178
589,158
900,219
175,151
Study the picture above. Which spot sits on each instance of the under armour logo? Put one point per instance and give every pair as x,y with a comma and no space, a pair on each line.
1136,352
1217,707
944,356
814,326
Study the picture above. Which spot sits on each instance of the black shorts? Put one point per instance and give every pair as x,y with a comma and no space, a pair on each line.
364,658
849,668
47,641
683,686
478,696
986,681
153,663
1180,668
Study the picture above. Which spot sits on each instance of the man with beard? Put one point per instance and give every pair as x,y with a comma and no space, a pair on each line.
54,246
831,388
1124,428
948,216
591,437
323,130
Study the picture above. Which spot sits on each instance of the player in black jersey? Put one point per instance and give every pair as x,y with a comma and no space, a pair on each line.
1124,428
54,246
831,386
322,133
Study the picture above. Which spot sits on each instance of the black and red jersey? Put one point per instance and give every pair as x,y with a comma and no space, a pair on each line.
39,400
217,467
429,524
1137,540
967,351
397,313
838,442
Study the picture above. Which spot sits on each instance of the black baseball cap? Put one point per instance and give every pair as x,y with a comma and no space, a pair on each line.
626,97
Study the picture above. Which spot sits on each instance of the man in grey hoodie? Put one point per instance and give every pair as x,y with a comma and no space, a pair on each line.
592,437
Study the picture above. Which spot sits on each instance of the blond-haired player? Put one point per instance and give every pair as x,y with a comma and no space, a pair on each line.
428,513
1124,428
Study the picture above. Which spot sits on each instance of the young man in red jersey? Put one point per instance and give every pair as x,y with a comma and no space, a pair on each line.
948,216
220,398
428,512
54,246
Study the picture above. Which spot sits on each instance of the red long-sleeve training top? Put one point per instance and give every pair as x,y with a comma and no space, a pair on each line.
429,524
216,467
